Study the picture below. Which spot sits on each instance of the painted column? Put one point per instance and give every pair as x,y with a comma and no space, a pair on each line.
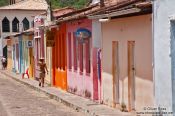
164,56
96,43
1,47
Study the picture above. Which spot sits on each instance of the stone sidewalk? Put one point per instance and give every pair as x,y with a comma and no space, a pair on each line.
76,102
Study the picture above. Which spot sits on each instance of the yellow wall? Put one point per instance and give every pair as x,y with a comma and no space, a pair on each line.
9,57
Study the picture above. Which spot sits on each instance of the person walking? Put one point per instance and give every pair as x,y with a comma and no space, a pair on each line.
43,69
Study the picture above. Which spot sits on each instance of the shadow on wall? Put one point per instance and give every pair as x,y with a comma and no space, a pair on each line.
172,55
172,47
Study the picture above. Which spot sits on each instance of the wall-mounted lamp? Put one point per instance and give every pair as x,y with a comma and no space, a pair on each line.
104,20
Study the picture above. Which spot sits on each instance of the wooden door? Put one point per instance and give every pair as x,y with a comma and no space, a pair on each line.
60,66
115,71
131,75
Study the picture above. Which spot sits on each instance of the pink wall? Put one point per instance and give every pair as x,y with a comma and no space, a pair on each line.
138,29
38,43
77,83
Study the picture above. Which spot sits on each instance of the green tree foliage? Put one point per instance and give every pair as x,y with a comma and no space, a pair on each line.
3,2
59,3
71,3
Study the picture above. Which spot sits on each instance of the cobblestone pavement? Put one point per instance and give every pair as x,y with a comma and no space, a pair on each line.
19,100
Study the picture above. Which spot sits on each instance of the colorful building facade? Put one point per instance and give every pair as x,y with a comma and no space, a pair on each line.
80,61
59,55
18,17
129,68
126,48
20,52
26,53
15,54
39,49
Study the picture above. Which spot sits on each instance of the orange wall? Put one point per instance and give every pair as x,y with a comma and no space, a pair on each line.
59,58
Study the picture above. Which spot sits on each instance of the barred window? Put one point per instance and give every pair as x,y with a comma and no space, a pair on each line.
15,25
25,24
5,25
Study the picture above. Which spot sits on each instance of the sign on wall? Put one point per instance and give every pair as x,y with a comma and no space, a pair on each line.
29,43
83,35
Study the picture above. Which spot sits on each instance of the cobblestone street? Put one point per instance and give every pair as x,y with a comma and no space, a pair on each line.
19,100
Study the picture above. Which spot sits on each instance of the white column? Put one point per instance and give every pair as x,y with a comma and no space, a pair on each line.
1,48
50,65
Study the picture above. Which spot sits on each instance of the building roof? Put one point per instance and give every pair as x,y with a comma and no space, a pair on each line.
27,5
123,8
62,11
106,2
59,12
78,14
113,7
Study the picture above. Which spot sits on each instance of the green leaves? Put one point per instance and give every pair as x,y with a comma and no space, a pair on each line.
59,3
71,3
3,2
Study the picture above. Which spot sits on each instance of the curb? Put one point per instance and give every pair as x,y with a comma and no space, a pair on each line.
52,96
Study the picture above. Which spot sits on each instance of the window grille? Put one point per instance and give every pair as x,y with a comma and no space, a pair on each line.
5,25
15,25
25,24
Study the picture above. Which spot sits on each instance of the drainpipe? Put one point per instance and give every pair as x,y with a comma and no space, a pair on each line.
153,55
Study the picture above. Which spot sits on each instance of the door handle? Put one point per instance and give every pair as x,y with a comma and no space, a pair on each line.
133,68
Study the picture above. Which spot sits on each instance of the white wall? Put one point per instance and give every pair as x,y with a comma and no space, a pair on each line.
96,34
11,14
164,54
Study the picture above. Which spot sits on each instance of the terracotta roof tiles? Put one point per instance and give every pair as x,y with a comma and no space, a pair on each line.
124,8
110,7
